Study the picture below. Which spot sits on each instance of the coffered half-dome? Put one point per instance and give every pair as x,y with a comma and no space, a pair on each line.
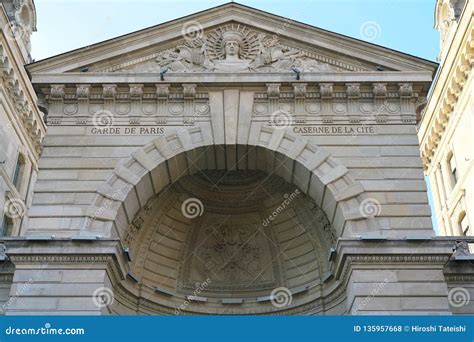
234,236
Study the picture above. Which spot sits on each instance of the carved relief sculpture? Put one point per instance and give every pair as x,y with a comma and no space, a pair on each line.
234,48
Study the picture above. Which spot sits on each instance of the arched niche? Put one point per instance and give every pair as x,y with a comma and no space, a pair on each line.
135,202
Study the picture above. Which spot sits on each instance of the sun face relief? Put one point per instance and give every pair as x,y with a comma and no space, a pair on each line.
231,49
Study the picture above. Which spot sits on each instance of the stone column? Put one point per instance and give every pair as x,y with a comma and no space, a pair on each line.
62,277
394,277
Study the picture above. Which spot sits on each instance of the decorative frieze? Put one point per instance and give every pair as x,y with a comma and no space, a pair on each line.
440,112
135,101
350,102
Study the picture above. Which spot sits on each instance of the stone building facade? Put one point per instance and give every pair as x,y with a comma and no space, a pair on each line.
22,127
448,122
233,162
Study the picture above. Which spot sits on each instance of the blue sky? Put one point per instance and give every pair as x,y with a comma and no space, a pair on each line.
405,25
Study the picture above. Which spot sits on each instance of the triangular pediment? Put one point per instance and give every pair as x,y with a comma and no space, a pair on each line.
231,38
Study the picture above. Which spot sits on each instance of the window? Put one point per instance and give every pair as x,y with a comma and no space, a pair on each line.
463,224
7,226
19,169
452,167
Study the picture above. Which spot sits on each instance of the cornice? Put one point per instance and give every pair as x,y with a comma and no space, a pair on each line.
446,92
240,78
23,98
349,252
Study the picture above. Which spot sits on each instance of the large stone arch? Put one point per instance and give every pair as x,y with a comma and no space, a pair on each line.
167,158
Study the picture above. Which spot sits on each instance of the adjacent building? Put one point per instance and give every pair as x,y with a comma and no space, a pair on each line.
22,124
447,127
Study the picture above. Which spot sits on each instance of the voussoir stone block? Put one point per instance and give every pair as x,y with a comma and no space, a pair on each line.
127,175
